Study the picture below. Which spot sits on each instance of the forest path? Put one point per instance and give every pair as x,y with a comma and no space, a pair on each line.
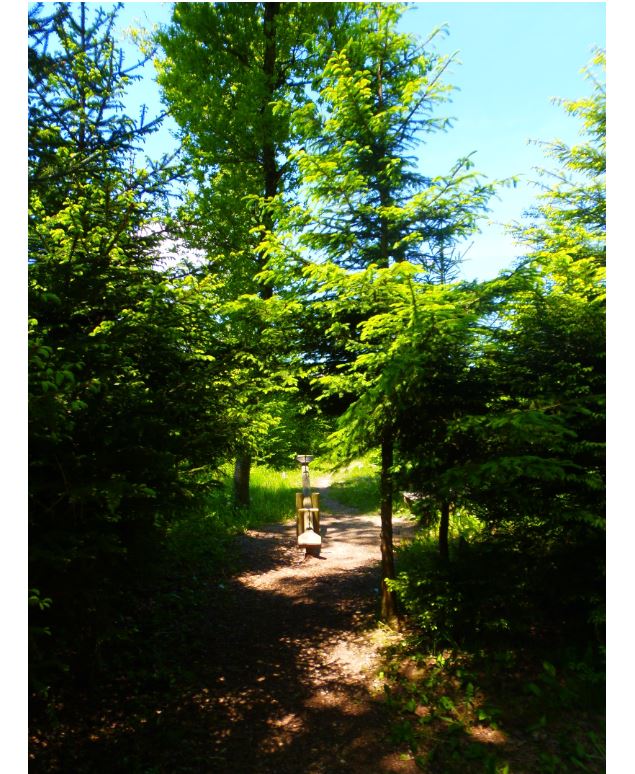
274,671
297,654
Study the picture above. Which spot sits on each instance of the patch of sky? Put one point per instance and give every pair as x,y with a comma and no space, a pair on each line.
515,59
143,94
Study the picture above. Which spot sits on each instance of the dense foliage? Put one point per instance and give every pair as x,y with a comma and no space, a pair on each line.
379,231
127,393
232,76
314,294
519,436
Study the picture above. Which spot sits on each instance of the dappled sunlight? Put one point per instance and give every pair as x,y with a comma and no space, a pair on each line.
488,735
335,699
301,661
283,727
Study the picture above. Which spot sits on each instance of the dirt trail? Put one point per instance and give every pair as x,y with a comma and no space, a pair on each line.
281,673
297,689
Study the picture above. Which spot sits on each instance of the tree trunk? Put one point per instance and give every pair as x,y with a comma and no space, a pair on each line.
242,468
270,179
388,601
444,526
271,173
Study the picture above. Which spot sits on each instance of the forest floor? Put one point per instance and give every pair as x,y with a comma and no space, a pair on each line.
283,677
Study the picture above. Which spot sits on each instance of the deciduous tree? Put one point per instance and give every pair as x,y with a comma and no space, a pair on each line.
231,74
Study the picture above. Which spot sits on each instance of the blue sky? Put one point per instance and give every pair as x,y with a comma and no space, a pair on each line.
513,59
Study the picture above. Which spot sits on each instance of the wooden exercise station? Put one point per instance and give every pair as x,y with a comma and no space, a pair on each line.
307,509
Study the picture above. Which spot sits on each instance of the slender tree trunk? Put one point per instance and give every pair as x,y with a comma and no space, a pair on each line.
81,142
388,601
444,526
242,468
271,173
270,180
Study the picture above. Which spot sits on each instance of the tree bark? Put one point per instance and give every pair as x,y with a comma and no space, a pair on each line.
388,601
270,179
271,173
242,468
444,526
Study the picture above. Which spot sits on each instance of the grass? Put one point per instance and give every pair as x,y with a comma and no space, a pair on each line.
357,485
272,495
204,539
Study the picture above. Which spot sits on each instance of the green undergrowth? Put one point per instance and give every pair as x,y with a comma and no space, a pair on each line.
164,611
499,588
206,536
357,485
498,711
498,673
272,495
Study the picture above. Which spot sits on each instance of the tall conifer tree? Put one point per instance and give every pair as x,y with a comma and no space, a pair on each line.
368,206
125,395
231,74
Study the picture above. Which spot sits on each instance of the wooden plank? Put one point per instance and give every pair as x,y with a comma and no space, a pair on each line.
298,516
315,502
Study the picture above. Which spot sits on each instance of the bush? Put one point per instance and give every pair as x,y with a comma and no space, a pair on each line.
500,588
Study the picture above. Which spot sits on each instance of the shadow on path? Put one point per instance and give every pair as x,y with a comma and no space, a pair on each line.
280,680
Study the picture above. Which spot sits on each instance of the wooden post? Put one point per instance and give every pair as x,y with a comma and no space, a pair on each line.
307,507
315,503
299,516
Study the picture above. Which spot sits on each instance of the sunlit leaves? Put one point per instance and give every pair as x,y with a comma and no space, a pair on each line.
365,202
570,216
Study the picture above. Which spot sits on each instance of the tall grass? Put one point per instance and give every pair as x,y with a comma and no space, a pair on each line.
272,496
357,485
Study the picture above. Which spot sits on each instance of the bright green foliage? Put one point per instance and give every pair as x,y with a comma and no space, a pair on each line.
260,339
231,74
128,394
520,441
424,329
569,221
543,433
367,203
368,209
521,399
